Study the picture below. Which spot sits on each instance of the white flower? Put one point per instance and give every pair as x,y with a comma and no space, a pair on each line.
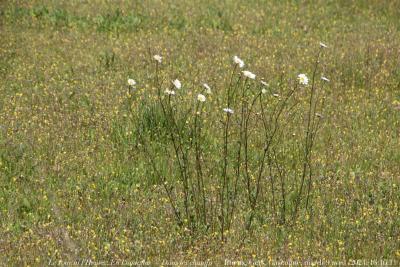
264,83
169,92
275,95
325,79
238,61
177,84
131,82
302,79
323,45
201,98
228,110
264,91
157,58
208,89
249,74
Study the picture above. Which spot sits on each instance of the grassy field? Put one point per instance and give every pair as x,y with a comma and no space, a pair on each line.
94,170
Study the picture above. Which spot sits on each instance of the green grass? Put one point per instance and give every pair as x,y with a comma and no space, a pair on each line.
76,184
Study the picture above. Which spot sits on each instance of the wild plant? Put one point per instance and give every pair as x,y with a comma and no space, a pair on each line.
259,167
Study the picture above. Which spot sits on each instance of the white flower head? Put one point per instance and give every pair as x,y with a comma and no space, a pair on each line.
228,110
249,74
169,92
264,91
322,45
302,79
238,61
177,84
208,89
131,82
201,98
158,58
275,95
264,83
325,79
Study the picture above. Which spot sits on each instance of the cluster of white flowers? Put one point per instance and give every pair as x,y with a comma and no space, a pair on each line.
177,84
169,92
240,63
302,78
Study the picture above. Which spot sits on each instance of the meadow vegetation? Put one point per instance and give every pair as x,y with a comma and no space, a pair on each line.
218,166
